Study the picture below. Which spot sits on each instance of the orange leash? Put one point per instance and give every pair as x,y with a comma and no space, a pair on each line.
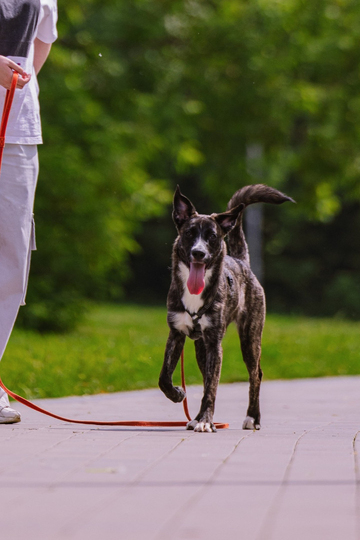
5,117
133,423
6,111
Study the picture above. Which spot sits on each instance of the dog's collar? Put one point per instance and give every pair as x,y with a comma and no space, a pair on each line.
195,317
196,332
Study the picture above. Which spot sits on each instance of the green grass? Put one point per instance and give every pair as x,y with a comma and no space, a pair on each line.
122,347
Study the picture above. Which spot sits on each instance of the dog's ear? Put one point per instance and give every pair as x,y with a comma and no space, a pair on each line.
227,220
183,209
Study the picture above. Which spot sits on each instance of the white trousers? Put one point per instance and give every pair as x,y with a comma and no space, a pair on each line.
18,178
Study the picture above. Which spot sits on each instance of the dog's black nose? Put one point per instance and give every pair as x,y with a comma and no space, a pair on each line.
198,254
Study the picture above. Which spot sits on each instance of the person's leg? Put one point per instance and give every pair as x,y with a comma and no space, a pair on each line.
18,179
4,399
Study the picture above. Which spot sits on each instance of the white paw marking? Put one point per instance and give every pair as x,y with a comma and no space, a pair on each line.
203,427
249,423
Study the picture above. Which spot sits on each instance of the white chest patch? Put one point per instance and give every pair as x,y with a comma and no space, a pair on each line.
182,321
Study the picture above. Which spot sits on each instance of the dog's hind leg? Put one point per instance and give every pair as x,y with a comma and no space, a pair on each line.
250,331
174,346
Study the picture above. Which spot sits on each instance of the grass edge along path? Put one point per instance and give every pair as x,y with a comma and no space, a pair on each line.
121,347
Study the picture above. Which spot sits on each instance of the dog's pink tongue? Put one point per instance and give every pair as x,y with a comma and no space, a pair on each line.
196,281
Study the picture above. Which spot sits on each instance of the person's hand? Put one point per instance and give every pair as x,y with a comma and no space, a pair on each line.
6,72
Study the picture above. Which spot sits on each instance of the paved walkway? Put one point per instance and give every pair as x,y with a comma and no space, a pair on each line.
298,478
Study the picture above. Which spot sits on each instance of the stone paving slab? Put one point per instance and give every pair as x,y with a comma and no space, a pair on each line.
297,478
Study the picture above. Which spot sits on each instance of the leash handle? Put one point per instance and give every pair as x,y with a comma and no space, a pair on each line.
6,112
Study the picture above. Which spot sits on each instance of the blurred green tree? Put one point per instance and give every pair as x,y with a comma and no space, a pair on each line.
96,184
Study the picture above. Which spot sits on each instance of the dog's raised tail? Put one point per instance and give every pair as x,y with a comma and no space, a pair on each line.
255,193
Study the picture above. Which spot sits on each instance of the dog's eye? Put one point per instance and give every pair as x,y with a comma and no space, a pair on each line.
188,233
212,236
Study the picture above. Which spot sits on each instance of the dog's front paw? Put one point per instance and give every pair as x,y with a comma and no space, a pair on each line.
176,394
204,427
249,423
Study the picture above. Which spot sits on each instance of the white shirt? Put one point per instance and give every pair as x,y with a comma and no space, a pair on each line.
24,125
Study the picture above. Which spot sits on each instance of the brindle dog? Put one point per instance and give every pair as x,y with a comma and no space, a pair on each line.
209,290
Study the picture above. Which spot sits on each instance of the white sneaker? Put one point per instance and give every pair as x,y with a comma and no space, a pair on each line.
9,416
